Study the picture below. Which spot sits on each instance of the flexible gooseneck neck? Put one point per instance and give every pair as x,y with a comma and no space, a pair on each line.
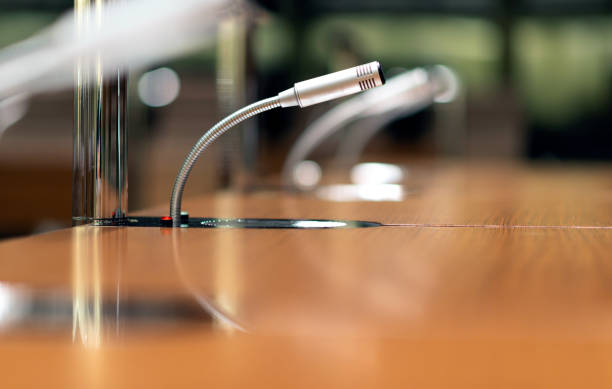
303,94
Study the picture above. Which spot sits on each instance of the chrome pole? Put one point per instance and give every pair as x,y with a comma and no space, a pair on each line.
99,132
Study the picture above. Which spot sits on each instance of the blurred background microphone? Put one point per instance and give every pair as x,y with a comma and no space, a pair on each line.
126,33
403,95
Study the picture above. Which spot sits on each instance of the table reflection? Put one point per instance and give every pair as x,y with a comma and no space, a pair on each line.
121,281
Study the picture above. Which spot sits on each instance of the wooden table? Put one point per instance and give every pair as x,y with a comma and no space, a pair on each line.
497,276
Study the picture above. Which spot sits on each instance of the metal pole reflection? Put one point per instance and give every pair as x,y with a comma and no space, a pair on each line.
86,286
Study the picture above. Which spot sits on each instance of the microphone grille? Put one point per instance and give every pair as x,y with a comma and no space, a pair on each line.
367,75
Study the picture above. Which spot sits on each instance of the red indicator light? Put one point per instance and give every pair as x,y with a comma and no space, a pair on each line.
166,218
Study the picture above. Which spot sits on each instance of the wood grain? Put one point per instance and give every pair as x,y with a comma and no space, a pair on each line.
402,280
521,302
489,193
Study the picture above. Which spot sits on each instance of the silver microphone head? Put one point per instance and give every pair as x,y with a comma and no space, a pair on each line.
333,85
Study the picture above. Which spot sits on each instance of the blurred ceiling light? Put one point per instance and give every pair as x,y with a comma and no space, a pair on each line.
159,87
370,173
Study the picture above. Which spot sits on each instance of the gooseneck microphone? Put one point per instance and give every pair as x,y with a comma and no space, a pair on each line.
316,90
403,94
333,85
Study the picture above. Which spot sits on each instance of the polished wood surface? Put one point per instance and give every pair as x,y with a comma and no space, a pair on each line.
504,281
478,194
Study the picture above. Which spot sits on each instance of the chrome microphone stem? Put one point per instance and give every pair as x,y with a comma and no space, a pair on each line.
209,137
